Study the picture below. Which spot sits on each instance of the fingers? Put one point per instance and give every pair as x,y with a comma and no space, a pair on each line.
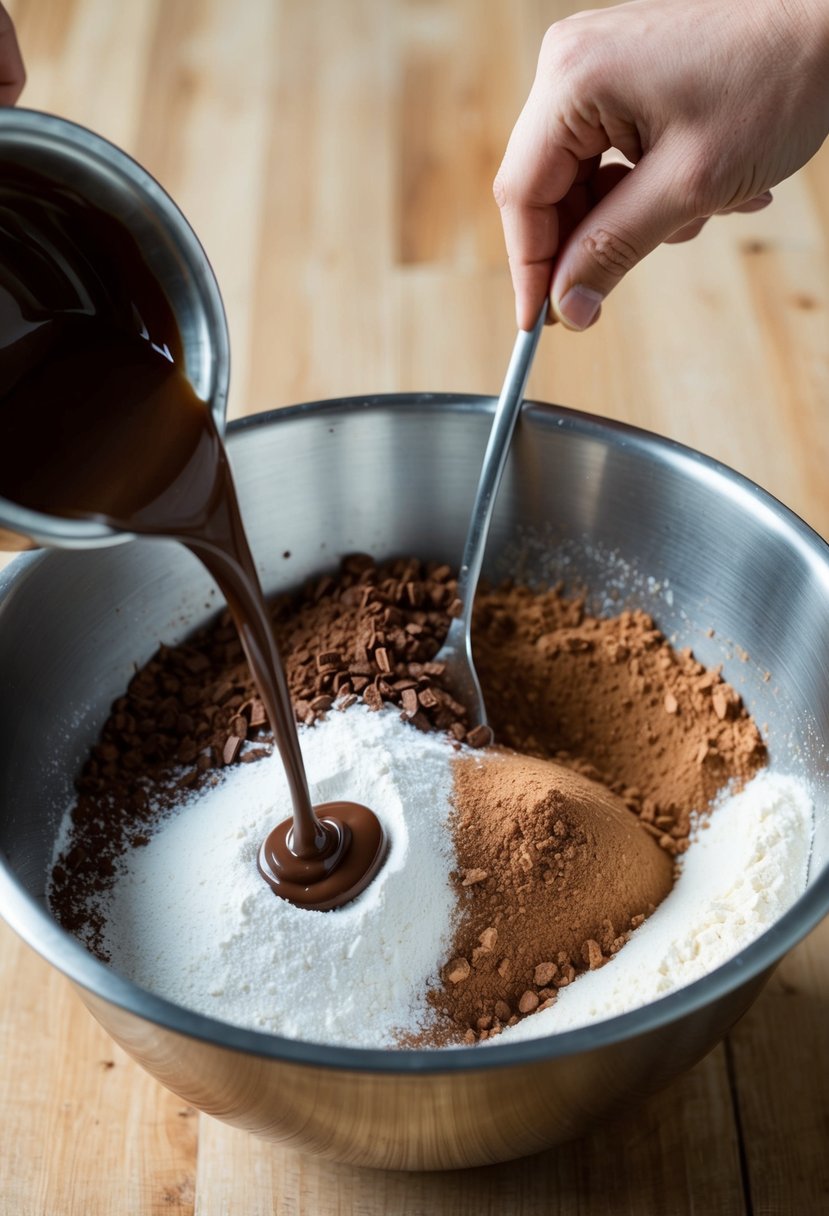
538,170
526,192
12,72
646,207
753,204
694,229
597,222
687,233
531,235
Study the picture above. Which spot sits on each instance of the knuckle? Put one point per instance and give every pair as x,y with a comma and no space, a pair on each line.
575,68
500,189
613,253
700,183
698,191
565,49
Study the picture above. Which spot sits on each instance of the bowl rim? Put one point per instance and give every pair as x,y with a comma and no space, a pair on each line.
33,923
67,141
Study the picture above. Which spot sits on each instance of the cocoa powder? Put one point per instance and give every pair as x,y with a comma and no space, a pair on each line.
612,701
553,872
611,698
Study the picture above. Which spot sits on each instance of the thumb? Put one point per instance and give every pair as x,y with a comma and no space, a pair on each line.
646,207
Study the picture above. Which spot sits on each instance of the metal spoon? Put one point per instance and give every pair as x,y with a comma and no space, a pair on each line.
456,651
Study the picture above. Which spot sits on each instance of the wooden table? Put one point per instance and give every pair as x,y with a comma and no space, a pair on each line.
335,158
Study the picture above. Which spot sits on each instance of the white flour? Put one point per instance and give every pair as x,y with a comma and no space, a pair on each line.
190,918
739,876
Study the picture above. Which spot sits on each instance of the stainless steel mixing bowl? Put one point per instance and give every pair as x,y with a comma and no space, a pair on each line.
639,519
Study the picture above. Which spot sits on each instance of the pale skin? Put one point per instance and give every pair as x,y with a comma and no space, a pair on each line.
12,72
713,102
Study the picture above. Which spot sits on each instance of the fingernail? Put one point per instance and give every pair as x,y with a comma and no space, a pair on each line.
579,306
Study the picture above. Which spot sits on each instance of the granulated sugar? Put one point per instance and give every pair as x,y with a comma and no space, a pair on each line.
191,919
741,873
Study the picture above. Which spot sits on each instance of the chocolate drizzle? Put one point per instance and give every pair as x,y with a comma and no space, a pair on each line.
99,421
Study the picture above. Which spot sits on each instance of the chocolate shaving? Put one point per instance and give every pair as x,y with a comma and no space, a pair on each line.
231,749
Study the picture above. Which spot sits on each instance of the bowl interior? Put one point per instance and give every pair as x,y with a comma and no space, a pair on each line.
637,520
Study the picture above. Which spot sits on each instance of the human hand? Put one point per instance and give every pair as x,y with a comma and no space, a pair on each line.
713,102
12,72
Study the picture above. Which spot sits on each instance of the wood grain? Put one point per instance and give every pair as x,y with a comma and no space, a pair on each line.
84,1129
336,161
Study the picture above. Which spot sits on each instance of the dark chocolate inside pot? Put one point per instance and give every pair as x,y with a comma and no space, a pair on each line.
99,421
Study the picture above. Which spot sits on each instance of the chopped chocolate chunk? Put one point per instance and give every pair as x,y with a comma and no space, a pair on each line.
328,660
479,736
232,747
239,726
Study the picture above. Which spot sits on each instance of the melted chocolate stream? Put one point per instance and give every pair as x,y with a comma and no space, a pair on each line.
98,422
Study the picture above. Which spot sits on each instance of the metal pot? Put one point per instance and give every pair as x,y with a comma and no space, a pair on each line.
74,158
637,518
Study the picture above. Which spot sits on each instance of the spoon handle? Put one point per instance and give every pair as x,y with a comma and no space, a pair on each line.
495,459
